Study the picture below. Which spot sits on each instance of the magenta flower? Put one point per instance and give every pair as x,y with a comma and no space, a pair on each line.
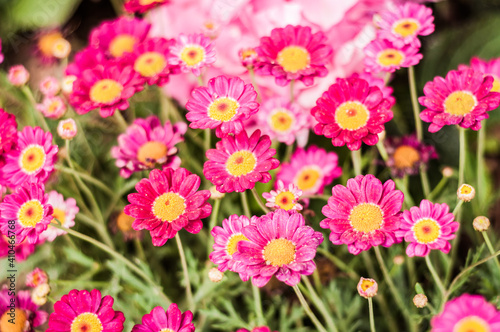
142,6
8,132
364,214
22,250
192,53
407,155
379,83
239,161
64,211
88,58
487,67
52,107
27,314
256,329
462,98
36,277
50,86
381,55
167,202
223,105
286,198
173,320
18,75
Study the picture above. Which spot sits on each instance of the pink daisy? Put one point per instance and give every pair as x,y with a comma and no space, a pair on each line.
487,67
146,143
50,86
279,244
427,227
32,159
381,55
293,53
192,53
52,107
23,250
36,277
18,75
8,132
310,170
467,313
462,98
286,198
405,23
88,58
118,37
167,202
363,214
27,314
142,6
64,211
351,112
239,161
173,320
84,311
223,104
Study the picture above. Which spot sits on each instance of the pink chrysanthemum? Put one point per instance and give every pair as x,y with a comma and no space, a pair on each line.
351,112
407,155
223,104
146,143
106,88
8,132
88,58
36,277
192,53
427,227
310,170
50,86
467,313
64,211
462,98
167,202
142,6
226,239
23,250
239,161
32,159
84,311
382,55
257,329
248,57
278,244
18,75
405,23
27,210
286,198
118,37
379,83
487,67
364,214
293,53
52,107
27,315
173,320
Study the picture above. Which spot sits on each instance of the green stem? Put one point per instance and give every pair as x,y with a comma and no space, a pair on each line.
425,181
456,210
481,138
372,320
308,310
244,202
292,95
213,221
189,293
463,155
86,177
288,152
339,263
139,249
414,102
200,80
208,136
27,92
259,201
120,120
490,247
437,189
258,305
356,161
435,276
320,305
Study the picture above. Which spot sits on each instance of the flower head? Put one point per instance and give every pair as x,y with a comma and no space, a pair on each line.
142,6
8,131
215,275
487,67
407,155
50,86
256,329
22,250
51,46
481,223
52,107
378,82
26,314
172,320
67,84
420,301
286,198
192,53
67,129
64,211
248,57
36,277
466,192
88,58
381,55
367,287
18,75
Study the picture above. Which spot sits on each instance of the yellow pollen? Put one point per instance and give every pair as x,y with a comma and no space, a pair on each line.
223,109
279,252
32,159
59,215
86,322
146,3
19,322
351,115
459,103
68,126
192,55
496,84
105,91
122,44
293,58
406,27
47,41
281,120
307,178
406,156
30,213
61,48
366,217
285,200
169,206
465,189
209,25
150,152
472,324
232,244
426,230
390,57
241,163
150,64
166,330
245,54
54,106
365,284
124,222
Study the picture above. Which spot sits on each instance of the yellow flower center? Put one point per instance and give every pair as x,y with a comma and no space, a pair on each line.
406,27
105,91
472,324
366,217
122,44
465,189
150,64
150,152
146,3
166,330
351,115
192,55
496,84
307,178
124,222
293,58
30,213
285,200
61,48
69,126
223,109
86,322
241,163
169,206
459,103
281,120
32,158
54,106
426,230
279,252
406,156
366,283
248,53
59,215
390,57
232,244
19,321
47,41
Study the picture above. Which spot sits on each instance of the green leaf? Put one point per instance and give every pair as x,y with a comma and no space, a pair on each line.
419,289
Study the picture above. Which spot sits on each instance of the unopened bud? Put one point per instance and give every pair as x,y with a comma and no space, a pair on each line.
61,48
215,275
367,287
481,223
398,260
447,172
67,129
67,84
18,75
215,194
420,300
466,192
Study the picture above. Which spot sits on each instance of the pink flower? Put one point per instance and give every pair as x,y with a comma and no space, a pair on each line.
256,329
364,214
462,98
381,55
173,320
22,250
467,313
167,202
18,75
88,58
248,57
239,161
50,86
67,129
351,112
223,105
28,315
286,198
367,287
8,132
142,6
52,107
84,311
64,211
293,53
278,244
36,277
379,83
1,54
491,67
427,227
192,53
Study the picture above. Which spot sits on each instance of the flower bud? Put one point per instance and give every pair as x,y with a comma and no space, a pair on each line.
36,277
42,290
18,75
49,86
466,192
481,223
447,172
52,107
420,300
67,129
67,84
367,287
215,194
398,260
61,48
215,275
